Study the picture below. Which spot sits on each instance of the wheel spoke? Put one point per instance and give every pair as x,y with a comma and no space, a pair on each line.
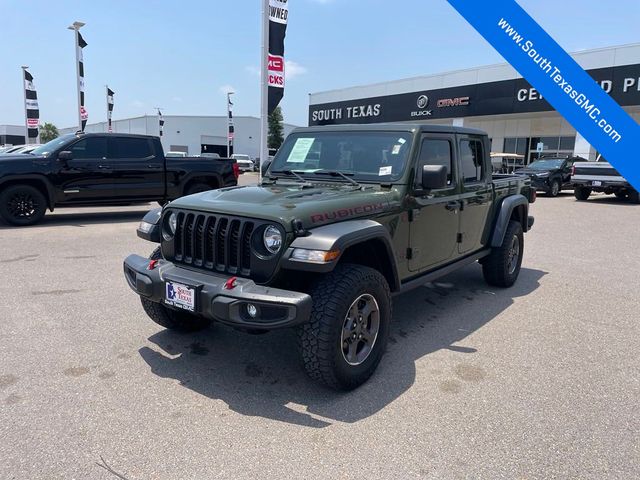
367,309
368,336
352,354
353,311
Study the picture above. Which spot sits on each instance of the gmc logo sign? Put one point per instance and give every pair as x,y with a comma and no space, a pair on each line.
276,63
453,102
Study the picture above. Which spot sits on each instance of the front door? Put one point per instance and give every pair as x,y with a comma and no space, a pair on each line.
86,176
435,216
477,194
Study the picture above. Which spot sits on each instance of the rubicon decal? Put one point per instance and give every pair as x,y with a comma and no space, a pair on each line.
346,212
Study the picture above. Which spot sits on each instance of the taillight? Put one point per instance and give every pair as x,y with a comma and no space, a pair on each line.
573,170
534,195
236,170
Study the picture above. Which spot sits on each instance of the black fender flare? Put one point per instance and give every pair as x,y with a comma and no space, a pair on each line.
340,236
503,215
51,191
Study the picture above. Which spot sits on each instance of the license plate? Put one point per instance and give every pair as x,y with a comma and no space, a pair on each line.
596,183
180,296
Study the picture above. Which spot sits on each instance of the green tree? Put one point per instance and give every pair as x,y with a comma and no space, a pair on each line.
276,130
48,132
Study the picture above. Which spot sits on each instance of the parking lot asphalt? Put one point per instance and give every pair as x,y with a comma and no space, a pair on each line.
538,381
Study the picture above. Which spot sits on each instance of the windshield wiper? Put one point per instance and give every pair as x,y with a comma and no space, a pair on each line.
291,173
338,173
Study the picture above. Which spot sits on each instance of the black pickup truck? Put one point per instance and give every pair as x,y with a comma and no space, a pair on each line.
345,217
102,169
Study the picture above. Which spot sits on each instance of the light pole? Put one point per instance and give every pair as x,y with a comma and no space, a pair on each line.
76,26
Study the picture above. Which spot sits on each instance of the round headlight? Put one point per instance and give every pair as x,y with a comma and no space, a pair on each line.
272,239
171,223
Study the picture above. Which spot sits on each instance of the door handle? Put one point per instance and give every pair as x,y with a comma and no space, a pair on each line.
103,167
156,167
452,206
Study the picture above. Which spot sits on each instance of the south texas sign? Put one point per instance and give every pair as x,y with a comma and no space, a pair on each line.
493,98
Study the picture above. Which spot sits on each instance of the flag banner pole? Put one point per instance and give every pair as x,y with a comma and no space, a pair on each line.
160,123
264,88
278,18
31,108
79,44
274,28
556,75
110,95
231,128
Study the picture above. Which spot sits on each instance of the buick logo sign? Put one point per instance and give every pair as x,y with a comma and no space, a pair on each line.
423,103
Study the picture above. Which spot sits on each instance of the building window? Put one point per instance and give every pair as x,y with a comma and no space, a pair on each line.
516,145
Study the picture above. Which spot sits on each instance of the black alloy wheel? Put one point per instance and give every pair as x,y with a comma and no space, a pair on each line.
22,205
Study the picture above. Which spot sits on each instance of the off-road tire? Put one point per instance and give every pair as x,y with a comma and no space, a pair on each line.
320,340
554,192
172,319
581,193
497,266
197,188
634,196
22,205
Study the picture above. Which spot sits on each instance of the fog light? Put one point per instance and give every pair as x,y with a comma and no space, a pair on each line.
252,310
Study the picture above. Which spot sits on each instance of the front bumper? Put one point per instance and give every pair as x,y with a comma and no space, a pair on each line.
276,308
540,183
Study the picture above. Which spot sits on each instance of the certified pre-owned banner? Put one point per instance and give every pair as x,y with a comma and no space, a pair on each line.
564,84
278,16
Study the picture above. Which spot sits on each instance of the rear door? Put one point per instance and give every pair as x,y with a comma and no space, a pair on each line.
138,168
477,192
434,225
87,176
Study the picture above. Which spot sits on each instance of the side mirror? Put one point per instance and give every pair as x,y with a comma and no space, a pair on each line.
65,155
434,177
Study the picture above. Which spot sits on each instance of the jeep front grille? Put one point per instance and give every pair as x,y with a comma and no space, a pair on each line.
214,242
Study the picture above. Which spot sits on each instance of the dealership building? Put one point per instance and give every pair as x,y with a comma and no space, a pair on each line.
494,98
191,134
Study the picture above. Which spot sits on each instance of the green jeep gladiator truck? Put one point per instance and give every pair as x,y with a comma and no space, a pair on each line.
344,218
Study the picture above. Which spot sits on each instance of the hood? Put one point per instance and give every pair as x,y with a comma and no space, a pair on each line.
314,206
19,163
17,156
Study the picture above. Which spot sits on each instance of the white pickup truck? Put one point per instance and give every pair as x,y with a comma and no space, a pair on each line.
600,176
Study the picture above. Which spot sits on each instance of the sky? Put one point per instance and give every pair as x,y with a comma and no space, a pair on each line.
184,55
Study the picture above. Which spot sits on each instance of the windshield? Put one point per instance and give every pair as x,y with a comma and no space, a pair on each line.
53,145
368,156
546,164
242,157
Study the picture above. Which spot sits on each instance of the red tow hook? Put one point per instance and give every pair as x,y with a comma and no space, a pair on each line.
231,283
152,264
